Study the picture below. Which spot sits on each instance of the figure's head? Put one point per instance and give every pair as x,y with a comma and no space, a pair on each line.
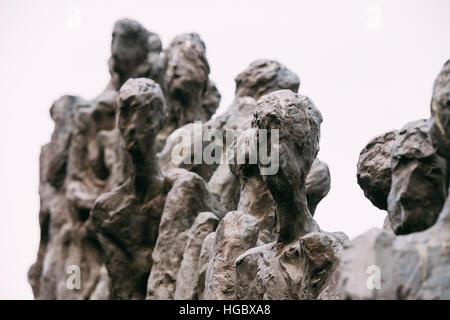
419,179
131,43
141,114
263,77
187,70
298,123
374,168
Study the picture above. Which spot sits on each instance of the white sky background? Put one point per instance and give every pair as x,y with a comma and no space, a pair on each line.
369,66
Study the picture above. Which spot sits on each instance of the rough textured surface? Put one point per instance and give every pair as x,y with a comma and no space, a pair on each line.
263,77
419,180
224,184
140,226
189,273
304,269
203,263
235,117
236,233
414,266
259,78
402,172
191,95
126,219
78,165
374,169
318,184
321,253
303,261
298,122
380,265
440,111
259,275
255,198
89,160
135,52
187,198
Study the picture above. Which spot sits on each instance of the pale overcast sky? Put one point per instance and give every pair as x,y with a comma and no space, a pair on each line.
369,66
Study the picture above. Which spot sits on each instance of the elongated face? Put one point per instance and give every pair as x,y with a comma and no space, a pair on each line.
129,45
186,77
298,123
142,111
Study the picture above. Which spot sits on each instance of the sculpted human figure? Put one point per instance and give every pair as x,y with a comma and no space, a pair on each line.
138,220
126,219
67,188
259,78
92,155
253,201
254,222
135,52
413,265
303,260
298,122
136,231
85,159
405,172
191,95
